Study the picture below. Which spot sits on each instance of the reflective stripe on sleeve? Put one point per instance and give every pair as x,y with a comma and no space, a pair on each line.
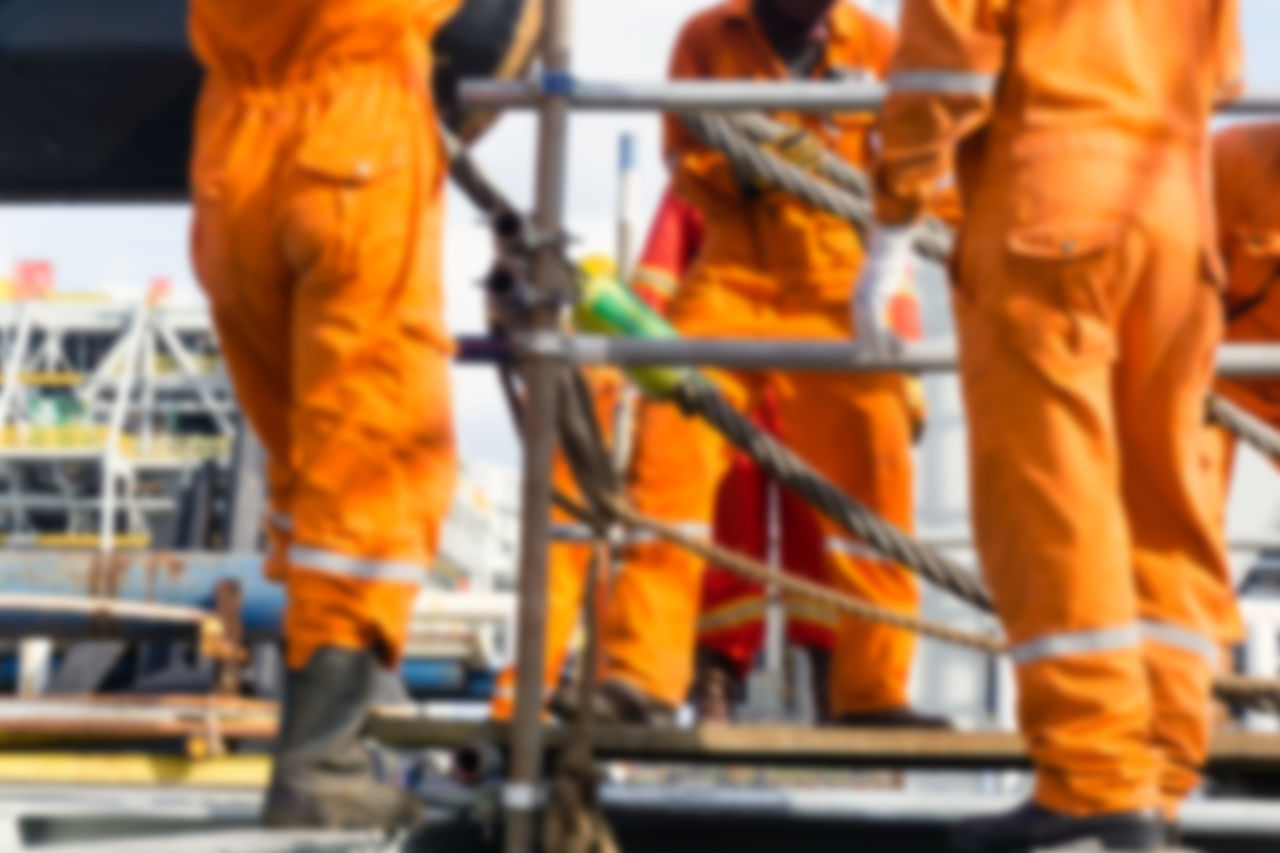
943,83
850,548
1181,638
1077,643
360,568
733,615
688,528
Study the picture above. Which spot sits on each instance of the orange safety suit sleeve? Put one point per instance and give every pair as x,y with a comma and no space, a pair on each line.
700,176
941,89
674,239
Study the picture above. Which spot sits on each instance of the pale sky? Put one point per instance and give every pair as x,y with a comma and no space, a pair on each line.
120,248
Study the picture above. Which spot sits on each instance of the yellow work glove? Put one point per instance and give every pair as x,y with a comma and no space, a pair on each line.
798,147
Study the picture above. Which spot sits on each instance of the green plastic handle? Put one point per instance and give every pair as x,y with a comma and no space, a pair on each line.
607,307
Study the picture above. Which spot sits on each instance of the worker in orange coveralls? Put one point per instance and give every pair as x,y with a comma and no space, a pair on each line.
731,625
770,266
318,178
568,560
673,241
1246,175
1086,301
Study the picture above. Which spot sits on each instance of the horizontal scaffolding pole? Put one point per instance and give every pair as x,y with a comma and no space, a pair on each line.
729,95
1238,361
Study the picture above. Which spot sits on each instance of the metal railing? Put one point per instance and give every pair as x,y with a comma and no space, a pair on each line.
727,95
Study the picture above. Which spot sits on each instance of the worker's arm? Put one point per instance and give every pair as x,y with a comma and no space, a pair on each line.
941,88
674,238
699,175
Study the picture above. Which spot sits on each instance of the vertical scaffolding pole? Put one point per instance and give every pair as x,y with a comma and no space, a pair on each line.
626,203
520,797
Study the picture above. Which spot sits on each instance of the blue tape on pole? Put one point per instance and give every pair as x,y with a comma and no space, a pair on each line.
627,153
557,83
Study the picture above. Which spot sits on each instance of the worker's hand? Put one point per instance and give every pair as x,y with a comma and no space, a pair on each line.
887,280
798,147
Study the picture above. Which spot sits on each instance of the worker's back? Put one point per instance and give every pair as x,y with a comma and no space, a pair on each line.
1150,67
267,41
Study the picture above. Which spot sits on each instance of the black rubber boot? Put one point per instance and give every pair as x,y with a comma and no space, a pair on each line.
323,776
1032,828
893,718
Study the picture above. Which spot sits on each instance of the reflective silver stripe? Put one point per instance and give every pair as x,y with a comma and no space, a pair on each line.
1181,638
732,616
688,528
572,533
1078,643
362,568
850,548
811,611
943,83
281,521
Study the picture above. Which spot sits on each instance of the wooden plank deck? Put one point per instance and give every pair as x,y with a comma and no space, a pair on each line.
791,745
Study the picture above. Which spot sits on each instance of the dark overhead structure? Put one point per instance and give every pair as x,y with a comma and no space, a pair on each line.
97,96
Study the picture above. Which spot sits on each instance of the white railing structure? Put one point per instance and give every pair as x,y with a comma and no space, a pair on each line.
130,370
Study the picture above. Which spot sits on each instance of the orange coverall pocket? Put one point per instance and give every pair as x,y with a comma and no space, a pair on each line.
1057,305
352,190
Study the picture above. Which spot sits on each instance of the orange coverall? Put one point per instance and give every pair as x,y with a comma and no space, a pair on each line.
733,608
769,267
1085,295
569,558
317,179
1246,174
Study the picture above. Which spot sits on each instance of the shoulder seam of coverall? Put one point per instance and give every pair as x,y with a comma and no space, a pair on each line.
361,568
1075,643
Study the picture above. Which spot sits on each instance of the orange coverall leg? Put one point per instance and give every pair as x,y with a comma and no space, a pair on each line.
318,217
650,632
568,560
1087,327
1087,351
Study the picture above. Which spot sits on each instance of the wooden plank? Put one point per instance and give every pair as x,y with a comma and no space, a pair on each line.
790,745
57,720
